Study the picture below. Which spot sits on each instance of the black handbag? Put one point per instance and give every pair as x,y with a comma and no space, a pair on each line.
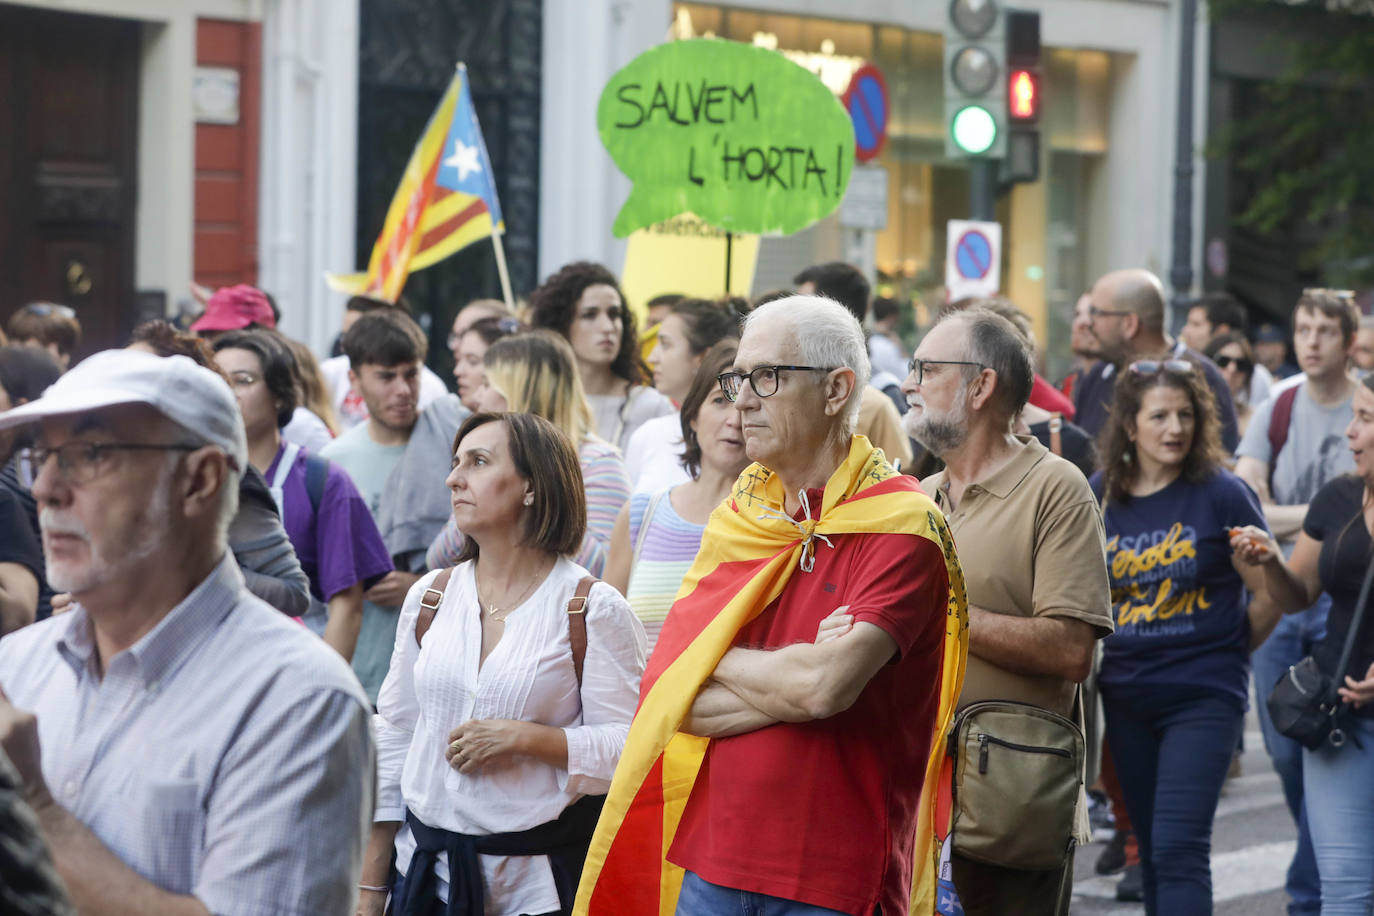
1304,704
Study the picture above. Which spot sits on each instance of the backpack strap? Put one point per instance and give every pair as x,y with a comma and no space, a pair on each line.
577,624
1279,421
316,473
1056,440
429,603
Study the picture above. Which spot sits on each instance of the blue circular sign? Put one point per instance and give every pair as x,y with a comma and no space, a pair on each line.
866,101
973,255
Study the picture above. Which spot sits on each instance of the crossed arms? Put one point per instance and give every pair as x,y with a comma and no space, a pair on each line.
754,688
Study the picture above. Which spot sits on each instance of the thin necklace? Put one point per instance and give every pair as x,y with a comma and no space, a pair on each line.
492,610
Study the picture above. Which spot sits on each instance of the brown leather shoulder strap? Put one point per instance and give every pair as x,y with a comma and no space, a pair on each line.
577,623
429,603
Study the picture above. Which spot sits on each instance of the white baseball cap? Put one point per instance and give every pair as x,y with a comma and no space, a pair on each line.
189,395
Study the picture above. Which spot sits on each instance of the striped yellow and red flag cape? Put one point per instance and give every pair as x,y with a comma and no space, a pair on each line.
446,200
744,564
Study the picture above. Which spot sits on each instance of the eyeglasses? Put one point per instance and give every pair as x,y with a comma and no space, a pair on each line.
1094,311
917,367
763,379
1242,364
243,379
82,462
1151,366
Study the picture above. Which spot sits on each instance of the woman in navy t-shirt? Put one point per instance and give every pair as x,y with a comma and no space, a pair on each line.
1175,672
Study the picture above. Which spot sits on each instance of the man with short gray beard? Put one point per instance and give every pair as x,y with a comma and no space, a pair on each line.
187,749
1030,536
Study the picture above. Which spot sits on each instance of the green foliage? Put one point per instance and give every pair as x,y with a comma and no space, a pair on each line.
1303,145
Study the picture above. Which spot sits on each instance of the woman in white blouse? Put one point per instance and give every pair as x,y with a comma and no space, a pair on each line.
491,757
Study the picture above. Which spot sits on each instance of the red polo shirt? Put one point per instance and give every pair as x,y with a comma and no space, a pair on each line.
824,812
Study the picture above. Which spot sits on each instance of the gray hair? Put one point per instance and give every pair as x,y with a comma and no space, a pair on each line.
995,342
828,335
229,490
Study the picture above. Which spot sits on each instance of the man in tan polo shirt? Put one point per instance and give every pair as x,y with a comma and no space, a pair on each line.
1029,535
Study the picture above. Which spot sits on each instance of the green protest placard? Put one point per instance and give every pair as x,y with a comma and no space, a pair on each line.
741,136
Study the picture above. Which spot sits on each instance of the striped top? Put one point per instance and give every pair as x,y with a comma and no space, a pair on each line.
607,486
661,561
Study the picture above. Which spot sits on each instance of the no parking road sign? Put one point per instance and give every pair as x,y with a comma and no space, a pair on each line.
866,102
973,259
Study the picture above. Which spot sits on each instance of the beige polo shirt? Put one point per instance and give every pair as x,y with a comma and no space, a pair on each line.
1031,543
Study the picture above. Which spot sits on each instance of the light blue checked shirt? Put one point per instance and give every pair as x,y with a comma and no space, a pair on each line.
227,754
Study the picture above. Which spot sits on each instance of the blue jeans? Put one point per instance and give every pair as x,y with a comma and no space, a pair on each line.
1339,784
1172,746
1294,637
702,898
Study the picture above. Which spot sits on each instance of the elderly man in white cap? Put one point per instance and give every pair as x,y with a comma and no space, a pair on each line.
187,748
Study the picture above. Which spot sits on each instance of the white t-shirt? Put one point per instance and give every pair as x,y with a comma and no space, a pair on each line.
619,415
654,456
350,409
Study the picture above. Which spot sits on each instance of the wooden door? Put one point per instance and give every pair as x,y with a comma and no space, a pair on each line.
68,166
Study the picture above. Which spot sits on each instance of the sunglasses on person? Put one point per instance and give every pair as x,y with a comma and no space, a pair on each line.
1155,366
44,309
1243,365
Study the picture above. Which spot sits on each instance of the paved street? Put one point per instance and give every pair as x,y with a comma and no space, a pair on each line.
1252,843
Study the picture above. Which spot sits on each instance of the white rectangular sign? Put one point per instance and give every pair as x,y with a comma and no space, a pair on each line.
865,201
973,259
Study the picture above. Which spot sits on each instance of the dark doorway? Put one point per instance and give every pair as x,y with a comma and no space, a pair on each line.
68,166
406,57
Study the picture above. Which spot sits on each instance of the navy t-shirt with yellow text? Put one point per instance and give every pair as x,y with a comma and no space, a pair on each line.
1178,602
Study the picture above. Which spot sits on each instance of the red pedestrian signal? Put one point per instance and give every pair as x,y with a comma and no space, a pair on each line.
1023,96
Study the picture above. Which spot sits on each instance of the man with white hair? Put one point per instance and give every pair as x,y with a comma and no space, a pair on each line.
806,671
186,748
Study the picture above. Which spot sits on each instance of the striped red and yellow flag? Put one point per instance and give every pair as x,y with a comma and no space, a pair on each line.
744,564
446,200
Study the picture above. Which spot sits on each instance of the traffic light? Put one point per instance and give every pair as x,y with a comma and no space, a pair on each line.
975,80
1023,96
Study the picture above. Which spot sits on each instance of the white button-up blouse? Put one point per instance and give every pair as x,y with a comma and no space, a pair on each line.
528,676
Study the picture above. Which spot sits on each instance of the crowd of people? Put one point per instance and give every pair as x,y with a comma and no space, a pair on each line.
757,607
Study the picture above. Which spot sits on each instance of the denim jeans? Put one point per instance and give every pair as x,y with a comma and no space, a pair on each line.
1339,784
1294,637
1172,746
702,898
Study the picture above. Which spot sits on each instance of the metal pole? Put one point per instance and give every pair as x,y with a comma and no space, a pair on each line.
729,245
982,189
1181,272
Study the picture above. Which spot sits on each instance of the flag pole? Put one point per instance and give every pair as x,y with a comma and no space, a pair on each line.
502,270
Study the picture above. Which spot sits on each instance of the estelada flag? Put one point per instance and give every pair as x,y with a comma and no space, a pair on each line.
446,200
748,553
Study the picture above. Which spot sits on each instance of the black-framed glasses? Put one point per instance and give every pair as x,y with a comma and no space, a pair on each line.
1242,364
1152,366
763,379
82,462
1094,311
917,367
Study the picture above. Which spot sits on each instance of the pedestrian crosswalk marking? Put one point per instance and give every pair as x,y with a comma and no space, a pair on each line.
1252,870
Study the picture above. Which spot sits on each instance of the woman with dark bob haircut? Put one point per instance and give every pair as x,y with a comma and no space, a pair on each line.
658,533
583,302
496,738
1175,672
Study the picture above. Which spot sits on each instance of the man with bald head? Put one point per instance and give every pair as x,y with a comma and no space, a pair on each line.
1125,319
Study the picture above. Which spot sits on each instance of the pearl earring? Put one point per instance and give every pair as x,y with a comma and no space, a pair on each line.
529,499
